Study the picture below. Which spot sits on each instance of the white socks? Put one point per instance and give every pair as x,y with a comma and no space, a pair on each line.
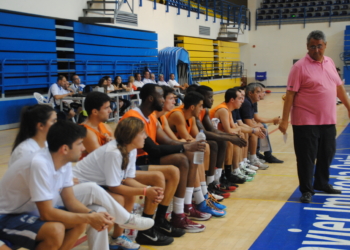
198,195
218,174
188,195
204,187
178,204
252,157
210,179
236,171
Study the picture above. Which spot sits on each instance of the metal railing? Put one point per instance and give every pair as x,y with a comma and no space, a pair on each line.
17,74
203,70
302,14
228,12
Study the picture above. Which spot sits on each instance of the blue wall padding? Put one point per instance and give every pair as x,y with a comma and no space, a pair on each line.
11,110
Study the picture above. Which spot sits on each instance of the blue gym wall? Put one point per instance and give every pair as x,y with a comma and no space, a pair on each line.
28,56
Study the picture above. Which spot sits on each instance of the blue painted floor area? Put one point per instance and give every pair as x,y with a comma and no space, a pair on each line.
320,225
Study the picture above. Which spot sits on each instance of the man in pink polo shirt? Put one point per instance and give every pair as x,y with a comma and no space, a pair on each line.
312,89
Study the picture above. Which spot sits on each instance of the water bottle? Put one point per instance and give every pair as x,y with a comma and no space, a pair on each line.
199,155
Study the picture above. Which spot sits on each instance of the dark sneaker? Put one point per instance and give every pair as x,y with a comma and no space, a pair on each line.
215,188
194,214
153,237
260,156
164,226
329,189
306,197
272,159
236,179
181,221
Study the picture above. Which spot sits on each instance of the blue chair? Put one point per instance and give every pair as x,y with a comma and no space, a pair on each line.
260,76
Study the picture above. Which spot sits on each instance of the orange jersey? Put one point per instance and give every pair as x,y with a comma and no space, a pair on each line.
100,133
202,114
212,113
150,127
189,123
161,119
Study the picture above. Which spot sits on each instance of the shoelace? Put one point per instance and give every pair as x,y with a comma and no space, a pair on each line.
125,238
211,205
212,198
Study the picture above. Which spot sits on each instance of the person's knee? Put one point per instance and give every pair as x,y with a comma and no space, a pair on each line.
158,179
182,162
174,174
54,233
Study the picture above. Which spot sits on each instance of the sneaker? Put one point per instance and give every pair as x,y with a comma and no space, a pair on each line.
236,179
246,177
164,227
214,188
208,207
181,221
217,197
224,181
272,159
258,164
246,170
261,157
250,166
153,237
137,222
225,187
122,242
192,213
211,198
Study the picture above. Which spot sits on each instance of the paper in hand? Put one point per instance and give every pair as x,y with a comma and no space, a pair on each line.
285,136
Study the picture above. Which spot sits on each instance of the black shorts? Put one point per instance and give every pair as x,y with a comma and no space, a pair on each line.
146,160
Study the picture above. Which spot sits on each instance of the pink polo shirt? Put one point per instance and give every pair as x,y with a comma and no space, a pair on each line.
315,85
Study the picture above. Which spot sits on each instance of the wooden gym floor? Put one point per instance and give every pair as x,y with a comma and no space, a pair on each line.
252,206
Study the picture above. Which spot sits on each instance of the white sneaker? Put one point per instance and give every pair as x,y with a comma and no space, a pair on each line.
246,170
218,197
122,242
258,164
247,178
250,166
137,222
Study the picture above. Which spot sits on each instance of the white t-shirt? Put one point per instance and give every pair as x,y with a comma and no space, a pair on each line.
138,84
77,88
163,83
173,83
55,89
146,81
103,166
110,88
24,149
33,179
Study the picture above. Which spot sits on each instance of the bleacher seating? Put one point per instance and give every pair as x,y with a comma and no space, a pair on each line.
313,10
29,56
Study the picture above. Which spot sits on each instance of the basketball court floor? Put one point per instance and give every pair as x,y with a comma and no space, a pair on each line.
266,214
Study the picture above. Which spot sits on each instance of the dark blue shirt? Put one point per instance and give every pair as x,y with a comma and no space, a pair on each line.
247,109
236,116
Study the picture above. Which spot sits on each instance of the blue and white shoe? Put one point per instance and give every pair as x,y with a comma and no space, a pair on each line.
207,207
122,242
210,197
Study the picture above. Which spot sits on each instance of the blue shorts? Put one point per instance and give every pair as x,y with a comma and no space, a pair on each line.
20,229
